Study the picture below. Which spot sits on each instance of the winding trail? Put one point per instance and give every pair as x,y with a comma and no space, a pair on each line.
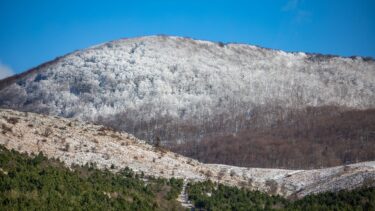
183,198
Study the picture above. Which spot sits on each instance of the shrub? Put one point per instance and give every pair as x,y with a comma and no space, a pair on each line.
12,120
221,44
47,132
5,128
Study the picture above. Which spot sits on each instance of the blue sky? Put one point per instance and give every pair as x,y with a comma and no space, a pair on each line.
33,32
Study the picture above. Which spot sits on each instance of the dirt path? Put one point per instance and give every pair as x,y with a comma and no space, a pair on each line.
183,197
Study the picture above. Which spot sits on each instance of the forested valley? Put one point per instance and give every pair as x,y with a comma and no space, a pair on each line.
299,139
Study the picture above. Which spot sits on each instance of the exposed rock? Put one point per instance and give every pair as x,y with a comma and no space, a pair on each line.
75,142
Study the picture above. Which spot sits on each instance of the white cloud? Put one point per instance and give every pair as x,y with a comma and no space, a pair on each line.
5,71
291,5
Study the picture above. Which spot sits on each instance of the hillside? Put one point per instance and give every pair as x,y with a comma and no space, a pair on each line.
307,138
184,91
210,196
79,143
39,183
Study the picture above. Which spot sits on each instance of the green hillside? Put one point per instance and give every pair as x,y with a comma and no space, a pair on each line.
210,196
40,184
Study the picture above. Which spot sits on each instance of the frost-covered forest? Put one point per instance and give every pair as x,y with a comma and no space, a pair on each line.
179,89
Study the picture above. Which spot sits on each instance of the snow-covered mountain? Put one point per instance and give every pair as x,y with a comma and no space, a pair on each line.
181,89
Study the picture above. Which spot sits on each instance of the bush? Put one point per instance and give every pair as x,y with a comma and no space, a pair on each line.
221,44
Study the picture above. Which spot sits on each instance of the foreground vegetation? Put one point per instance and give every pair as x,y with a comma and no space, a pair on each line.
210,196
39,184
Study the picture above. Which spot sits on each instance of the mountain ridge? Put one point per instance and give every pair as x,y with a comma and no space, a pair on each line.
5,81
44,64
56,59
180,90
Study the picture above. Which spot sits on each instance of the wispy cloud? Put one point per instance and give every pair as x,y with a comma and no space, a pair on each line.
302,16
5,71
291,5
299,15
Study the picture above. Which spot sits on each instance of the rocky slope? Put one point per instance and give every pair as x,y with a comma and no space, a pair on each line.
75,142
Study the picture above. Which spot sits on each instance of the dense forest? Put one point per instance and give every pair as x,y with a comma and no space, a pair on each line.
38,183
300,139
210,196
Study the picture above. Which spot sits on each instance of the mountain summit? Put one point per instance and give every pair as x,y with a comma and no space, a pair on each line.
181,90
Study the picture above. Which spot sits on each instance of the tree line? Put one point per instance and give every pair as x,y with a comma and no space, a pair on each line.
211,196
